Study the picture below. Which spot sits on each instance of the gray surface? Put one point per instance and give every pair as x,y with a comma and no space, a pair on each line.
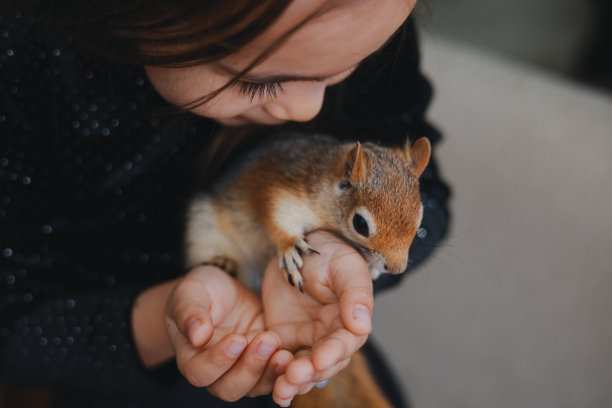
546,33
515,309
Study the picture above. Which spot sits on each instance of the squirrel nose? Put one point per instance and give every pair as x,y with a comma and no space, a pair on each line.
396,269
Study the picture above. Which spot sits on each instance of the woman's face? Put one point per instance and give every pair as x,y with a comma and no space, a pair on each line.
323,52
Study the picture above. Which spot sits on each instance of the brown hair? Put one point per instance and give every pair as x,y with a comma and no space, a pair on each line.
160,32
177,33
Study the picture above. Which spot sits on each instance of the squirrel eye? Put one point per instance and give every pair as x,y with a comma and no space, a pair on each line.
360,225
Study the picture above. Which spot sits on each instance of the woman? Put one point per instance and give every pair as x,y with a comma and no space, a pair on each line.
97,166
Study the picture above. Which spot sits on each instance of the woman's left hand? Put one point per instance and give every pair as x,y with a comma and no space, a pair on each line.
325,325
216,327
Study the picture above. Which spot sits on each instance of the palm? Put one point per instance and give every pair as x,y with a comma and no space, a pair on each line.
300,319
234,309
308,319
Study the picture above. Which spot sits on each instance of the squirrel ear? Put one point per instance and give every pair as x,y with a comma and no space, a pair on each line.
419,153
355,166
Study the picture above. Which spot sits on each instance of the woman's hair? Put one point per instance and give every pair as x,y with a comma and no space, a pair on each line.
169,33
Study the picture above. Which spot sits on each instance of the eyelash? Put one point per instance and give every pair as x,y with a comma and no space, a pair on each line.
270,89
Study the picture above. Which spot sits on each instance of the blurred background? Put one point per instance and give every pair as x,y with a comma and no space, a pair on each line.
515,309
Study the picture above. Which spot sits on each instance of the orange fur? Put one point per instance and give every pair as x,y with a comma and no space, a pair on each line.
420,153
355,162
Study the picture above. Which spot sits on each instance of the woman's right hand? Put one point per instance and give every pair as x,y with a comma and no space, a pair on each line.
215,326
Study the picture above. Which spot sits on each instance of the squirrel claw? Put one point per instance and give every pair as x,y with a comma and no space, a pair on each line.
305,248
291,262
313,251
300,287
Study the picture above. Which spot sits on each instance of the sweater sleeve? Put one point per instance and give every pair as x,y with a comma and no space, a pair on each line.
386,101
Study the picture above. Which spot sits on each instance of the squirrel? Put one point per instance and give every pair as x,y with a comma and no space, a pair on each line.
366,194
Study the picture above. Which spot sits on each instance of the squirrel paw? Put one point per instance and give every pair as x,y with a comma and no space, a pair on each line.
224,263
291,262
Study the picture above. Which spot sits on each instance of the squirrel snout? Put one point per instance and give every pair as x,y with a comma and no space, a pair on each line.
394,271
396,268
388,264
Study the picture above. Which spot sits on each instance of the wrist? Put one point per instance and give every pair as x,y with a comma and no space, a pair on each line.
148,324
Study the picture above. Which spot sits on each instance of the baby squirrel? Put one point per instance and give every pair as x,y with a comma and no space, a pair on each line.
364,193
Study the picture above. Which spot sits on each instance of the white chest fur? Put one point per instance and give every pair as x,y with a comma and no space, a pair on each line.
294,214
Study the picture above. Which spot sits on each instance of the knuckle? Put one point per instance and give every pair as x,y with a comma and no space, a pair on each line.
180,309
196,379
220,361
225,394
262,388
364,296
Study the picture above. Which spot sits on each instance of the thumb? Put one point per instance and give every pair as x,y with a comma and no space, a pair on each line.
352,283
189,308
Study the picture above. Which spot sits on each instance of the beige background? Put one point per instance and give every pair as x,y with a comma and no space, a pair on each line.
515,309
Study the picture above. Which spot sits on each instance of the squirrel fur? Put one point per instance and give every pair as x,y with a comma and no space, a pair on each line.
366,194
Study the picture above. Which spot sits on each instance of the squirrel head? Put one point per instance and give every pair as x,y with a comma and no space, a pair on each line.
378,193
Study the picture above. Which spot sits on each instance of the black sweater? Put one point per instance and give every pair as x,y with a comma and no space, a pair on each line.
94,180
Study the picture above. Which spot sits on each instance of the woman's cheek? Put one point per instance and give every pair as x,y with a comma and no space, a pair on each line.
184,86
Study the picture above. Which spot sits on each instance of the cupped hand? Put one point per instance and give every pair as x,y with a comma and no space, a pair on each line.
216,327
325,325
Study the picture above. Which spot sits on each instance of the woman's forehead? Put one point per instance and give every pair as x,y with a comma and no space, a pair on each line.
328,44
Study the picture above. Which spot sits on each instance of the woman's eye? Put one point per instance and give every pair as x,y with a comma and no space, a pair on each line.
269,90
360,225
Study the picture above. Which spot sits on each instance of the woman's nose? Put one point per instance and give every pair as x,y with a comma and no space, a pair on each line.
300,102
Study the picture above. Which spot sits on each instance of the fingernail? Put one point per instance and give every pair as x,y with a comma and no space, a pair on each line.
192,328
235,348
321,384
265,350
362,313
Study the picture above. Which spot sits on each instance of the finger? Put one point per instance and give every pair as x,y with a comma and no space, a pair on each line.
202,368
248,370
331,372
276,366
352,283
338,346
189,307
284,391
321,379
305,389
302,373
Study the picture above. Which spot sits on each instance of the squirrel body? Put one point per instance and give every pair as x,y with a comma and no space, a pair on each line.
364,193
